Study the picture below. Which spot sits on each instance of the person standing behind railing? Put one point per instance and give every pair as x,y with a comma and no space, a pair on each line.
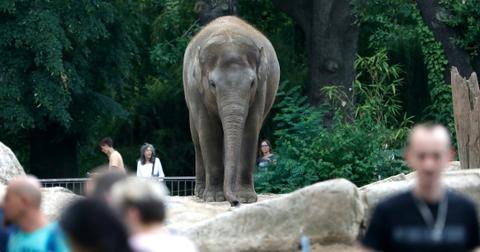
149,165
115,160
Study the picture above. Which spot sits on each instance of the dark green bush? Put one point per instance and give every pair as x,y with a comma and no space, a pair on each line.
362,146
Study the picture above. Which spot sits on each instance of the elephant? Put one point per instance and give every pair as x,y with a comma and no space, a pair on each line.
230,78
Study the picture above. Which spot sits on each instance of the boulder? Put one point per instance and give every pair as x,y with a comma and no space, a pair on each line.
9,165
54,201
186,211
328,212
377,191
455,165
465,181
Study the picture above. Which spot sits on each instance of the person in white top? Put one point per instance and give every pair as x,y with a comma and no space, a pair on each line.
141,204
149,165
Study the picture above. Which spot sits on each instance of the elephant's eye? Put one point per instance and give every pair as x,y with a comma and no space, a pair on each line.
253,83
212,84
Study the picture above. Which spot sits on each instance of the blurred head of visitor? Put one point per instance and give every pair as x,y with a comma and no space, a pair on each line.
106,145
144,211
101,183
22,203
22,207
90,225
147,153
429,152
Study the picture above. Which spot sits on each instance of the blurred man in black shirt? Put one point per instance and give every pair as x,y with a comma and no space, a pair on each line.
426,217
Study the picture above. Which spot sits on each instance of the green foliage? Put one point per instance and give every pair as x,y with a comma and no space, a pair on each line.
362,149
158,111
66,63
397,26
377,87
464,17
54,54
441,107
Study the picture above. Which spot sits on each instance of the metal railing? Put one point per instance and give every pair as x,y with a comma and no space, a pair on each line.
178,186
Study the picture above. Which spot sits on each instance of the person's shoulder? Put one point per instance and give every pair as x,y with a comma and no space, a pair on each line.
117,156
53,228
395,201
117,153
458,199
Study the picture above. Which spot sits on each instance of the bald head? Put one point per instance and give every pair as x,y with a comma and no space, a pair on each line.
28,188
429,152
429,133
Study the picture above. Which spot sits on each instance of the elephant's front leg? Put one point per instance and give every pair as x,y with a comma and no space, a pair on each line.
199,168
245,186
210,135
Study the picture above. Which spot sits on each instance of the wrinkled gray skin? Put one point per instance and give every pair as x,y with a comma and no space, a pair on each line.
230,78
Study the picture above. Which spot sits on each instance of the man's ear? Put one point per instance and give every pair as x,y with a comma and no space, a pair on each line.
453,154
407,157
25,200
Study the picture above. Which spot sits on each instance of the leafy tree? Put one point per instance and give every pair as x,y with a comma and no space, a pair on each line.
64,64
362,149
159,114
455,24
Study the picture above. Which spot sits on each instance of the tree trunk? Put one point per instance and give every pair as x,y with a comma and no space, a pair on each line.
208,10
457,57
466,107
331,36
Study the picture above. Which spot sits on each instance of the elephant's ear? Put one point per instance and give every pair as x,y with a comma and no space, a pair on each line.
262,67
197,66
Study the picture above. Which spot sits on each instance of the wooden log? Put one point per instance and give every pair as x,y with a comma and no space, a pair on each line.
466,107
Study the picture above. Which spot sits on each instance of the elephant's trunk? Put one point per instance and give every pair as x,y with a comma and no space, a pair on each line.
233,120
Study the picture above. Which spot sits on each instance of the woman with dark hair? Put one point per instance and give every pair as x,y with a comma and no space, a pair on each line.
91,226
265,154
148,164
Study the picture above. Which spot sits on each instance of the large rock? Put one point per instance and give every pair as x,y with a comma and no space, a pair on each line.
9,165
463,181
328,212
54,201
186,211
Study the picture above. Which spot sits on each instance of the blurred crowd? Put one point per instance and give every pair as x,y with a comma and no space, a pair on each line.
110,218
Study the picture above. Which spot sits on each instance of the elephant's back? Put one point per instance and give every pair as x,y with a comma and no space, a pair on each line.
229,27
